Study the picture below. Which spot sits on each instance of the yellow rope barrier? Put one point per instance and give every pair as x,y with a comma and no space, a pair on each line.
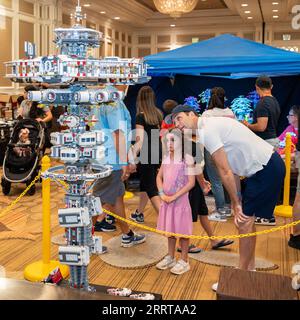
8,208
170,234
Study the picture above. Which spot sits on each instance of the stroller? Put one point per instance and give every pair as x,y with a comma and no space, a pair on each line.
23,169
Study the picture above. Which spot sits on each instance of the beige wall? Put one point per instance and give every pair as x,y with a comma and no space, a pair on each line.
6,48
26,33
29,20
26,7
6,3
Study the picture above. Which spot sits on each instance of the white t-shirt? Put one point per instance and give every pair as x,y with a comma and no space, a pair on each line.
246,152
218,112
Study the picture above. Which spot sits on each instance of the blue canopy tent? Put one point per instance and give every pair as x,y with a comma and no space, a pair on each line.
225,56
226,61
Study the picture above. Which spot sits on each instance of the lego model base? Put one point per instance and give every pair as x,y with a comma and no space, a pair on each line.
103,290
284,211
236,284
38,271
24,290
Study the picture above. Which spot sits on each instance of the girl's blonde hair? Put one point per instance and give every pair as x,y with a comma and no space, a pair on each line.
146,104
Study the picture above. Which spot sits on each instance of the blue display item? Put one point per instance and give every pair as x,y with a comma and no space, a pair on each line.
192,102
254,97
225,56
204,97
242,108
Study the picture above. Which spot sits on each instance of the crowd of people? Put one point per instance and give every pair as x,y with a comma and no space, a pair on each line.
241,161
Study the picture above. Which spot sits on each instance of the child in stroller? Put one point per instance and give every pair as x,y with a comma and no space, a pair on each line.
23,151
23,154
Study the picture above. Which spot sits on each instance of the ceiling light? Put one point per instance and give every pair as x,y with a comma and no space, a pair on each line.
175,8
248,11
117,18
275,3
275,17
250,18
275,10
87,5
244,5
172,25
102,12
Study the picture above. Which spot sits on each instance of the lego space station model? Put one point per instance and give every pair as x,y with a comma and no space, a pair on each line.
74,80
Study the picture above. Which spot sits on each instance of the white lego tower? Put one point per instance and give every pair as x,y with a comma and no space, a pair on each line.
81,151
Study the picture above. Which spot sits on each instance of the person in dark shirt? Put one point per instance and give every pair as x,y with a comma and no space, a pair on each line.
266,113
265,120
148,123
294,241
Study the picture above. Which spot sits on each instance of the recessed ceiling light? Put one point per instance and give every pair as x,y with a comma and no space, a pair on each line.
87,5
275,3
248,11
250,18
275,10
244,5
172,25
117,18
102,12
275,17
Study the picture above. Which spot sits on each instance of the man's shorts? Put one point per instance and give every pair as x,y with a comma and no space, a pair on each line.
262,190
110,188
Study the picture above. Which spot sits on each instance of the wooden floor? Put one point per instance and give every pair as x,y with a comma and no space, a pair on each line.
21,242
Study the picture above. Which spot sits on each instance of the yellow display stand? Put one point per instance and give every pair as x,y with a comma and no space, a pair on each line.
37,271
128,195
286,210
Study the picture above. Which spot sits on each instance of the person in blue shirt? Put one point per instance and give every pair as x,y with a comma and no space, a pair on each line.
115,121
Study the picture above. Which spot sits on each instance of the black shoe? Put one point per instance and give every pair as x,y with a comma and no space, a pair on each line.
104,226
110,219
294,242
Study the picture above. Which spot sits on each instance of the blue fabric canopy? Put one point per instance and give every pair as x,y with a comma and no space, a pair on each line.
225,56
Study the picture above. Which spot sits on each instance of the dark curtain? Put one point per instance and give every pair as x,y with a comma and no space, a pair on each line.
286,90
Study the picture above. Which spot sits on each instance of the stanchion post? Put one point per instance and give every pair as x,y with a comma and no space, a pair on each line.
287,179
39,270
46,211
285,210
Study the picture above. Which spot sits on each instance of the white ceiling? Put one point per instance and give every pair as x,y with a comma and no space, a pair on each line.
142,13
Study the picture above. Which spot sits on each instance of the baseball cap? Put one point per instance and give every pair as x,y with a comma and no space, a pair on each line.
180,108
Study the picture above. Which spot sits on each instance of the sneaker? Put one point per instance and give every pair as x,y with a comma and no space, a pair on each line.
104,250
294,242
214,287
215,216
104,226
166,262
180,267
110,219
227,212
137,217
265,222
129,241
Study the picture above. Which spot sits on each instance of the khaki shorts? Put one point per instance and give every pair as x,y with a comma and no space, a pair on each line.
110,188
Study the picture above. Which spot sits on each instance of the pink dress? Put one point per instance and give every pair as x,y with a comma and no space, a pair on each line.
175,216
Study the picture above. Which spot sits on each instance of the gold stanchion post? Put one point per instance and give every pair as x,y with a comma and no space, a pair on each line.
286,210
37,271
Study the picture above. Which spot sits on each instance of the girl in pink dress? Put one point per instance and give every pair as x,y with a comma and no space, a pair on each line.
174,184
